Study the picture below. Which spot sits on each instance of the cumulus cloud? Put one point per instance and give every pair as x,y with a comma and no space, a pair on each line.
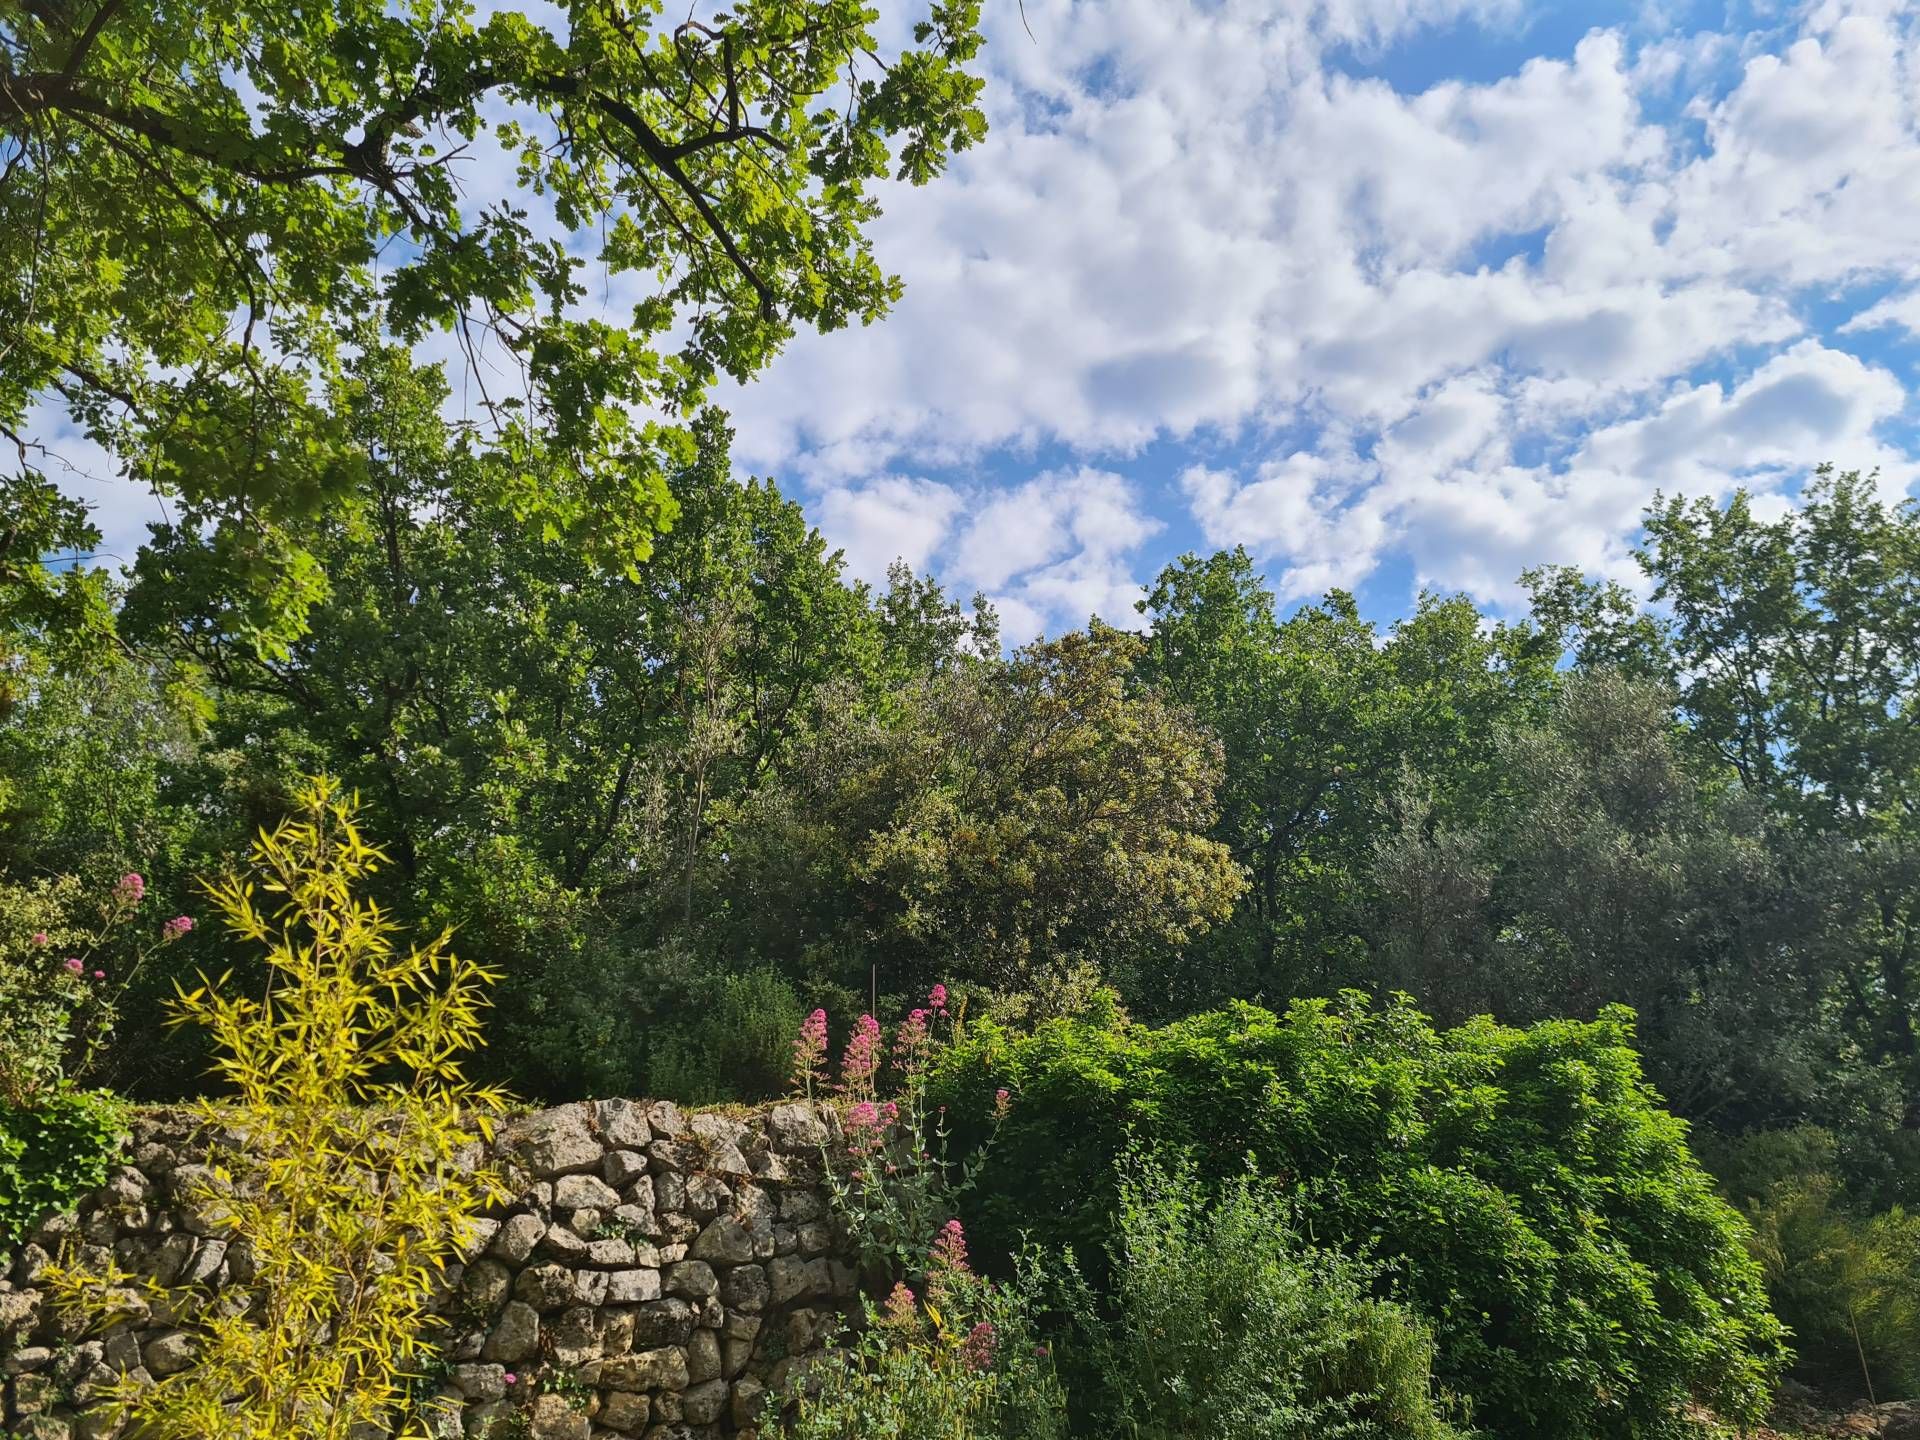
1473,324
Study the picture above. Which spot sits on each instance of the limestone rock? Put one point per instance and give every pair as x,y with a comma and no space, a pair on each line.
515,1335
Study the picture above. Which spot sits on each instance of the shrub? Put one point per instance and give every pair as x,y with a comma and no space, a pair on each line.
1846,1283
1581,1277
1225,1326
54,1151
357,1184
735,1047
959,1362
64,960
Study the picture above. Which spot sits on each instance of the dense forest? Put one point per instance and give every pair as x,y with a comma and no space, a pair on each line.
1499,1022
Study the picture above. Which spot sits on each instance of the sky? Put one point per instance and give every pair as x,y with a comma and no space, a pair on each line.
1398,294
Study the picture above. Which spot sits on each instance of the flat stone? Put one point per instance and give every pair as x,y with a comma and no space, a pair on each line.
623,1124
786,1279
663,1322
516,1238
623,1411
479,1382
661,1369
796,1126
622,1167
665,1118
167,1353
749,1402
486,1285
515,1335
580,1192
725,1241
693,1279
632,1287
554,1418
546,1287
556,1142
704,1404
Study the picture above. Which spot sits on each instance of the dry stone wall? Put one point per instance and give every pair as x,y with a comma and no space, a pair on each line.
656,1274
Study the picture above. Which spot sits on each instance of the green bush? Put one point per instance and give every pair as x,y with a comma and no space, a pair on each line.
1581,1276
54,1151
960,1362
736,1046
1846,1283
1226,1326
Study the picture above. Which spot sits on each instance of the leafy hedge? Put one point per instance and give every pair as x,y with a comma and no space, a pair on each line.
54,1152
1541,1207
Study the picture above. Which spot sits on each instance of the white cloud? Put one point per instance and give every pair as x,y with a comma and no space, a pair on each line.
1057,549
1476,326
891,518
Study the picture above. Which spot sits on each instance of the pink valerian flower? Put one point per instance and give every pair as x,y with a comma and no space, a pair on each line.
900,1307
39,937
131,888
1002,1103
863,1116
99,974
950,1248
176,927
976,1351
890,1113
937,999
810,1052
509,1378
861,1059
74,964
910,1044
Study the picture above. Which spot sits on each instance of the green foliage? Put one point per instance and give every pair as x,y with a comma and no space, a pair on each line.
204,206
1318,714
54,1151
961,1361
1846,1283
1794,647
65,959
1225,1325
1611,871
356,1184
67,604
737,1045
1580,1275
1015,820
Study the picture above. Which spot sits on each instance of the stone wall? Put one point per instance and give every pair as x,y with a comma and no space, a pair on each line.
656,1274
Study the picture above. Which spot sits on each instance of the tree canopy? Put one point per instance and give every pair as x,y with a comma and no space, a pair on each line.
201,206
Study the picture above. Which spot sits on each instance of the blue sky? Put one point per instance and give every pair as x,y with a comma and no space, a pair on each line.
1396,293
1393,292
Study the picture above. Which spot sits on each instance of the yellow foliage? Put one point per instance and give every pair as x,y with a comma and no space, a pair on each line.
346,1169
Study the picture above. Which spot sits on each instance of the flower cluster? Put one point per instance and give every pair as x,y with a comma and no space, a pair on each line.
861,1060
810,1054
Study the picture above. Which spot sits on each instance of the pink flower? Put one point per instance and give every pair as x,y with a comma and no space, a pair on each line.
176,927
131,888
977,1349
862,1058
39,937
99,974
510,1378
863,1116
899,1309
950,1247
810,1052
937,998
73,964
910,1045
890,1112
1002,1103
